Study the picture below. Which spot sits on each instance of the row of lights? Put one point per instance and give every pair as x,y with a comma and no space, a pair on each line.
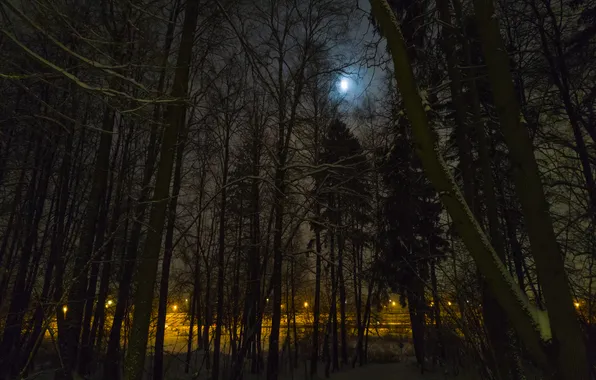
305,303
65,308
175,307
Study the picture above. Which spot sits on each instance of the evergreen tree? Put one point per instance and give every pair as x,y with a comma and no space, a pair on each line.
412,236
346,195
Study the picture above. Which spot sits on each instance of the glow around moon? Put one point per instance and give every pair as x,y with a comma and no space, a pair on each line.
344,84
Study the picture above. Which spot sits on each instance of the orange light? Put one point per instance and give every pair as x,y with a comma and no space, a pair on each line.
64,309
576,305
393,303
449,303
175,307
306,304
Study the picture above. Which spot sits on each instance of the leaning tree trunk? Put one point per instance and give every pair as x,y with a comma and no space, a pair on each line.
570,360
147,272
500,282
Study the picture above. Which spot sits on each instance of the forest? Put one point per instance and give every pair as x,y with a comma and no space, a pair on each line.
294,189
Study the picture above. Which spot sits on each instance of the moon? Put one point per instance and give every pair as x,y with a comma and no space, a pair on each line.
344,84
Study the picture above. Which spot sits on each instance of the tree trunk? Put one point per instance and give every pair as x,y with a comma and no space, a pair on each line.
86,350
342,287
437,312
221,256
273,358
167,259
570,361
317,306
333,302
147,271
36,194
96,335
416,306
76,293
508,294
494,317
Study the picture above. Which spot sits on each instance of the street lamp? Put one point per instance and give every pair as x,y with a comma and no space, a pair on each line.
64,309
175,307
305,304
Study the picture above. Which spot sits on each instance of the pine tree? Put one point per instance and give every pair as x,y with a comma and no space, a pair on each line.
412,237
346,195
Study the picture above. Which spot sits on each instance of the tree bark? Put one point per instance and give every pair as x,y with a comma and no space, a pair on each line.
570,360
509,296
147,272
167,258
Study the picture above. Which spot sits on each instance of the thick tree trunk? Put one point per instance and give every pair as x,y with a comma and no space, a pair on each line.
112,362
507,293
167,259
570,361
129,258
147,271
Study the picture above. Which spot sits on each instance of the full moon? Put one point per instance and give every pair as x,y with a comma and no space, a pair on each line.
344,84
